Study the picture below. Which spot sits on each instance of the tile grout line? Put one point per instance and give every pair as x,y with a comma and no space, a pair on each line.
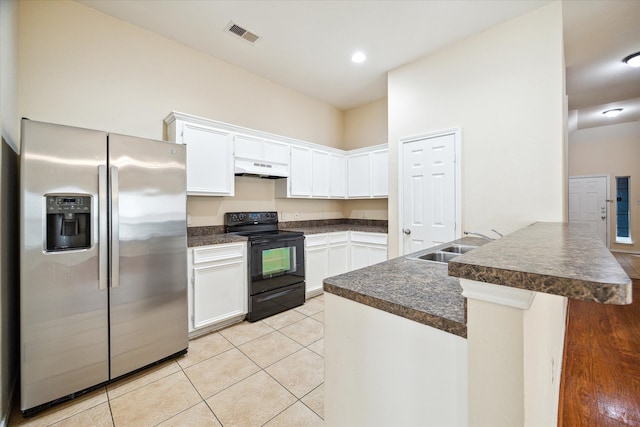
263,369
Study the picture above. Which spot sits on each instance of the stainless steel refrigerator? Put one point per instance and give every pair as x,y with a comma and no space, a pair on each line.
103,286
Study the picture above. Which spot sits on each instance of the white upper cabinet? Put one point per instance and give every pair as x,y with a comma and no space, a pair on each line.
337,175
217,151
380,173
299,181
210,170
368,173
314,173
319,173
359,169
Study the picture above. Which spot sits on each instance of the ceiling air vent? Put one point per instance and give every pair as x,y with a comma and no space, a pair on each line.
242,33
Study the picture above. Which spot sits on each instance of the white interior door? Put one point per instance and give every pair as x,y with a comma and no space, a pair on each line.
429,192
588,203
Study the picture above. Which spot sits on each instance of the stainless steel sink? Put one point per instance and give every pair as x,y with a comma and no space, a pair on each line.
443,257
459,249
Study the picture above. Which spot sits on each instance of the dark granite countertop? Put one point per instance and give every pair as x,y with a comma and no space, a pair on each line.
554,258
414,289
214,239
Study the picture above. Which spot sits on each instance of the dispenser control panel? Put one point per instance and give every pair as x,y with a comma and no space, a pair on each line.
68,204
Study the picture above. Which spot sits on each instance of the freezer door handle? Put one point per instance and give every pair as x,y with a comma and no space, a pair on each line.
115,229
103,247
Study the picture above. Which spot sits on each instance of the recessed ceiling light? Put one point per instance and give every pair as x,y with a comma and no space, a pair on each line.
633,60
358,57
612,113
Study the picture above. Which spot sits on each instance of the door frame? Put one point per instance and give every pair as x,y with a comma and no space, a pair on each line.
457,134
607,201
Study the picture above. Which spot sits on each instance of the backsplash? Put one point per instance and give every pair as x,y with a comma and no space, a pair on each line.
283,225
328,222
205,230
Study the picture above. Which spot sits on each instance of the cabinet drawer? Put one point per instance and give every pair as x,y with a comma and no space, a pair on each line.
218,252
339,237
316,239
374,238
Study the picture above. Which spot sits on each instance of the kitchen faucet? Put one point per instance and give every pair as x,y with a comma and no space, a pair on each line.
497,232
473,233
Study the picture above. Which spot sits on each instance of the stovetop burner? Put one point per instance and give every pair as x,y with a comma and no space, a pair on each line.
256,225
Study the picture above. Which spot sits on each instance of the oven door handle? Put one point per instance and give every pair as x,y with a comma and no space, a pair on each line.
262,242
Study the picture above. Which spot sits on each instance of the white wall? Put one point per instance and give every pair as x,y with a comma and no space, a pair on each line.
81,67
384,370
9,125
612,150
504,89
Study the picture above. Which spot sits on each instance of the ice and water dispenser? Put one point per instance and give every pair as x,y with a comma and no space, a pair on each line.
68,222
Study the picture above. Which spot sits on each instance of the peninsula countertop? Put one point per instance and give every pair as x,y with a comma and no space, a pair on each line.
411,288
554,258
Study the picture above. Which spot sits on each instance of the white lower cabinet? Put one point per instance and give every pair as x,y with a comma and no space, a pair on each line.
316,256
218,286
330,254
367,249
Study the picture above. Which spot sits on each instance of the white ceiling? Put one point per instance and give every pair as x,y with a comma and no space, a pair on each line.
307,45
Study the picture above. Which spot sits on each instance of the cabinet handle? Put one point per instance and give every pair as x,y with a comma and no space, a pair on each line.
407,231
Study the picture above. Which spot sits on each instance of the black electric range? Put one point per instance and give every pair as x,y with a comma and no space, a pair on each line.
276,262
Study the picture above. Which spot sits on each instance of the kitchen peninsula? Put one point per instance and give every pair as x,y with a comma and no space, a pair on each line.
395,346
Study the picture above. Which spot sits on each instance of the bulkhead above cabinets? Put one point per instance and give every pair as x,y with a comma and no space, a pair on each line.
217,151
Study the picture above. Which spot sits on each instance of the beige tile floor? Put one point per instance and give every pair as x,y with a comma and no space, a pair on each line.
268,373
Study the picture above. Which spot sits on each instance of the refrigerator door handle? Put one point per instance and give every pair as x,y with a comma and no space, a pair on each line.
115,229
103,246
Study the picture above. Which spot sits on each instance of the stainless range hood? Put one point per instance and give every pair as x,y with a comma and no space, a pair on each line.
261,169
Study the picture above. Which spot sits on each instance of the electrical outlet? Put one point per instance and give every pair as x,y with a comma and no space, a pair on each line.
188,219
282,216
296,215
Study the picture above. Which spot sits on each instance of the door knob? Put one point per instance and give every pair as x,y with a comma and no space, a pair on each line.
407,231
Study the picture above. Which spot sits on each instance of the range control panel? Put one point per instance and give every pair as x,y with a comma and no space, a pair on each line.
250,218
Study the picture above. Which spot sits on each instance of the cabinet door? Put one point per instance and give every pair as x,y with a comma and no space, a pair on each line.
319,173
338,258
377,254
337,175
209,161
218,293
359,255
300,171
317,267
380,173
359,171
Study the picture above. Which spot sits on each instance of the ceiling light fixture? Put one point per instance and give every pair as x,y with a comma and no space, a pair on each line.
612,113
358,57
633,60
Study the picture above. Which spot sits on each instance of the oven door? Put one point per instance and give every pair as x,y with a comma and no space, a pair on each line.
276,263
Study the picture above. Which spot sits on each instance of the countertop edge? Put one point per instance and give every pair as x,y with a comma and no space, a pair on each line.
443,324
484,265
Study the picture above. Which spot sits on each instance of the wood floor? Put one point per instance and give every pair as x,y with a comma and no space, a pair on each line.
601,373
